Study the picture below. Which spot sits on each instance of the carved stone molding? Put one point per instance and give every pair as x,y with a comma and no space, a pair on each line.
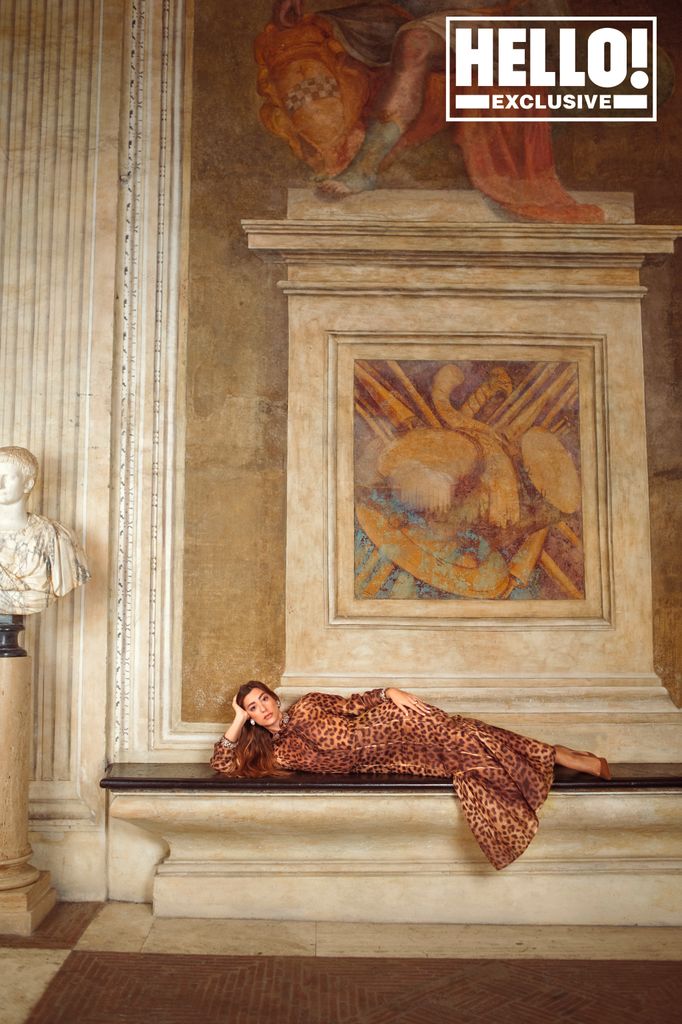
452,244
149,384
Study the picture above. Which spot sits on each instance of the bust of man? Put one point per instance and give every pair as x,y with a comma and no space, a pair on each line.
40,559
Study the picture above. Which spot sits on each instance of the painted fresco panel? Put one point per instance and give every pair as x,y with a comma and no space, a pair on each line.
467,480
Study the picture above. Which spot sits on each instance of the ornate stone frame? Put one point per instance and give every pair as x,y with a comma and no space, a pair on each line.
589,353
149,418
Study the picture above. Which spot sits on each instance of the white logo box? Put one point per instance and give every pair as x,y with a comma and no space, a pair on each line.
512,61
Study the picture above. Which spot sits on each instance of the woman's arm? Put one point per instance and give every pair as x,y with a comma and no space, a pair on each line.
223,751
222,759
359,702
234,731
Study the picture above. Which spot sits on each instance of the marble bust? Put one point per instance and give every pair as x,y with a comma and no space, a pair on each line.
40,560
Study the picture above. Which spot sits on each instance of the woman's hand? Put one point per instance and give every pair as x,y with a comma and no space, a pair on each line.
407,702
285,13
240,715
234,730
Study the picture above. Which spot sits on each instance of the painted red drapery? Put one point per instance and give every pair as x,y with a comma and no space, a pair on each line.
319,99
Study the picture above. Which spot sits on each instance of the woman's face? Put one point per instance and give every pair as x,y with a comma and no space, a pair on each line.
263,709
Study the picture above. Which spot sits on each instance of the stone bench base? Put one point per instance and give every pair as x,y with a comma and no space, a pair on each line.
381,848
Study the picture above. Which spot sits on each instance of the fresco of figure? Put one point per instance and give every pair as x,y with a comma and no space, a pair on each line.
400,48
40,560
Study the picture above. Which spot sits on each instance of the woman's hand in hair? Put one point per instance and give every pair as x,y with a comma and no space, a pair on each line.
234,730
240,716
407,702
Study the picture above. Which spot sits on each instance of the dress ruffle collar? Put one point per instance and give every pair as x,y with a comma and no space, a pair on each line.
286,718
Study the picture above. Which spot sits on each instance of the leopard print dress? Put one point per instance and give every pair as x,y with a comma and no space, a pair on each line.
501,778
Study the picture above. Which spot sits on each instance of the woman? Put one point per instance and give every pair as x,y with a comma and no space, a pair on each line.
501,778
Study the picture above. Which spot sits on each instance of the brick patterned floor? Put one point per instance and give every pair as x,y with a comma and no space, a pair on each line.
61,929
121,988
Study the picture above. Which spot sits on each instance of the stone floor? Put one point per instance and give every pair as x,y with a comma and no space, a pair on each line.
92,963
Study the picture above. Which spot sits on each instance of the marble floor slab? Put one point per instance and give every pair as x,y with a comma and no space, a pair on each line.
25,975
131,928
231,938
119,928
494,942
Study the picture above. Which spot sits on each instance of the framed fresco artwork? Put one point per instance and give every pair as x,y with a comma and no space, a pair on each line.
466,479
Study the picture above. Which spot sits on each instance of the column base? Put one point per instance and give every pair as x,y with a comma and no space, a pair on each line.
22,910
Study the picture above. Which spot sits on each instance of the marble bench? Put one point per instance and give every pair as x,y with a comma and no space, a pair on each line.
391,848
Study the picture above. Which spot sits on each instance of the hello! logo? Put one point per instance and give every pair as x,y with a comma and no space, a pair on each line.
550,69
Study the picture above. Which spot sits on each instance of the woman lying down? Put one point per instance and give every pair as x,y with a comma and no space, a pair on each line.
501,778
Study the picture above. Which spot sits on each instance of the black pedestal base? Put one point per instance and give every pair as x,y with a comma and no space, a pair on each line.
10,628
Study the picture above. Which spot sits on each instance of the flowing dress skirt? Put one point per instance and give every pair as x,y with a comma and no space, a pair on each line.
500,777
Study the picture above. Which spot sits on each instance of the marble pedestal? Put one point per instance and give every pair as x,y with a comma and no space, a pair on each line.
22,909
25,893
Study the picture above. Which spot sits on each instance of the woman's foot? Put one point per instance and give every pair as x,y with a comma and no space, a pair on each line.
604,770
583,761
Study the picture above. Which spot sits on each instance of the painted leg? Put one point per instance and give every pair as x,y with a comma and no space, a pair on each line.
361,174
398,105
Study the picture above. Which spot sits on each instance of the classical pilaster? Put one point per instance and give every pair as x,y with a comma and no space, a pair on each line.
60,66
148,413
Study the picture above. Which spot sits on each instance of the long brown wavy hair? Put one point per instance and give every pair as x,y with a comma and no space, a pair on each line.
254,756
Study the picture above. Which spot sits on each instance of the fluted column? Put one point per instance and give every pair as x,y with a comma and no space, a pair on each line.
60,81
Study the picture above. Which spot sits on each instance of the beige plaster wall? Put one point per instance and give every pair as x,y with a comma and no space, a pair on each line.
237,348
236,377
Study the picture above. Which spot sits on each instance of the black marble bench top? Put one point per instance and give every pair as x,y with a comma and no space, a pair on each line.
199,778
